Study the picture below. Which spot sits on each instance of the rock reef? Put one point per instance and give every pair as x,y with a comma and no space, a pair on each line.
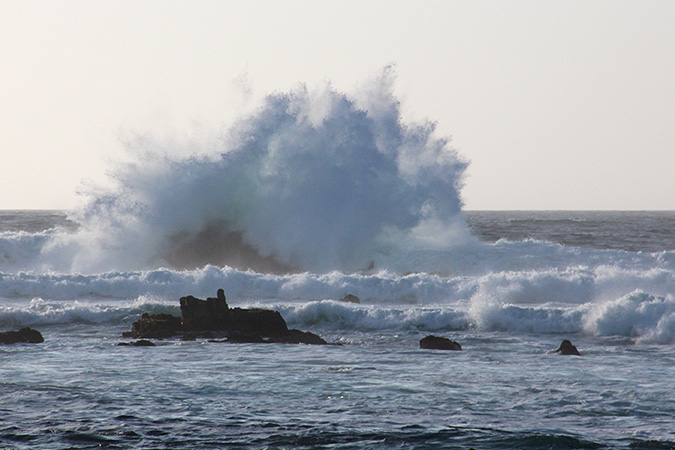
213,316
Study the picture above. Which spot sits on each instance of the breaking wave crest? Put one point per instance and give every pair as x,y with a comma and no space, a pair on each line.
314,179
315,195
583,301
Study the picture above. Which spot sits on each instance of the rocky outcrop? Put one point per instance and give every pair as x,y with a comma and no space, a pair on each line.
350,298
265,322
299,337
209,314
214,316
156,326
24,335
566,348
439,343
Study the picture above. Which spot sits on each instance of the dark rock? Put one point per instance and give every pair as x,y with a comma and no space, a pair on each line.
245,338
301,337
189,337
24,335
139,343
349,298
566,348
213,315
439,343
155,326
265,322
209,314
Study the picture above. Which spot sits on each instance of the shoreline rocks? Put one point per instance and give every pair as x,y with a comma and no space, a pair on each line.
25,335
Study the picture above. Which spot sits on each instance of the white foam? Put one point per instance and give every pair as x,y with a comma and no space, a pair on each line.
650,318
315,179
340,316
43,312
597,301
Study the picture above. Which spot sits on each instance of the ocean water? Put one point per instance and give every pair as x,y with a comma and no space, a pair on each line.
377,389
315,195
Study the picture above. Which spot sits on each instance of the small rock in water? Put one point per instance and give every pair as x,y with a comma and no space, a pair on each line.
349,298
24,335
566,348
439,343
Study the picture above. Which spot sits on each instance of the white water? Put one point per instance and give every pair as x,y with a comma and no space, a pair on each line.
314,180
323,194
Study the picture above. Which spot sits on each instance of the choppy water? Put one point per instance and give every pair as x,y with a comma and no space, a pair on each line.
378,389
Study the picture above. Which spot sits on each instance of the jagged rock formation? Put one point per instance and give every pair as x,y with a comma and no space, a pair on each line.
213,315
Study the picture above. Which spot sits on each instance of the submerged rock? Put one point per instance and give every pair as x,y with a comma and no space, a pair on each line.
24,335
349,298
566,348
139,343
439,343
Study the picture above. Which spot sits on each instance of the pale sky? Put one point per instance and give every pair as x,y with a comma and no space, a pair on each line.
557,104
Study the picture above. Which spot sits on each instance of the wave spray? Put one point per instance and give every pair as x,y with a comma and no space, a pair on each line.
313,180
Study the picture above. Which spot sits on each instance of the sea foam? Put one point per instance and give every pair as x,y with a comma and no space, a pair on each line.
322,194
585,300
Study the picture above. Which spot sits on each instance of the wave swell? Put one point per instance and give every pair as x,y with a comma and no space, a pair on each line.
560,302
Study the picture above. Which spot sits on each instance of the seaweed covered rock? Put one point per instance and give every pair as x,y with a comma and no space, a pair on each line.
439,343
24,335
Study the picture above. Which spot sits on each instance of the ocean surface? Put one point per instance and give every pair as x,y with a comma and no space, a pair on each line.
605,280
